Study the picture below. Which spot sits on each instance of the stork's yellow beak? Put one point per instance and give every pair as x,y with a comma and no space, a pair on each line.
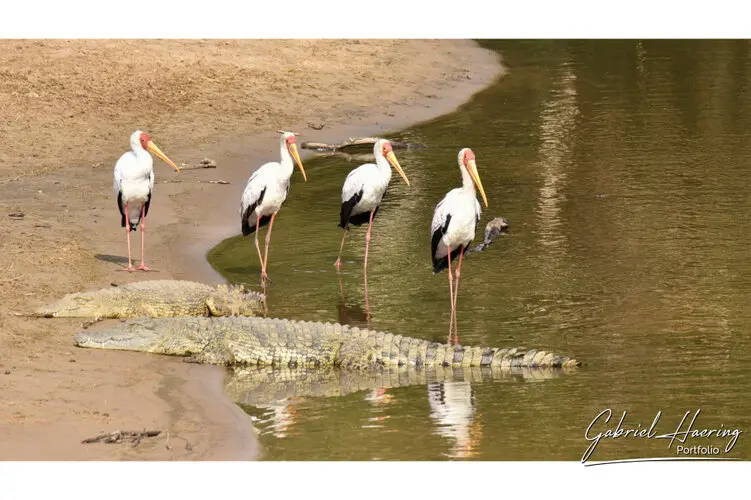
296,156
391,157
152,147
472,168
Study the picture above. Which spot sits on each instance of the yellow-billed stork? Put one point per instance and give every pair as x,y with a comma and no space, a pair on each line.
363,191
266,192
134,183
453,228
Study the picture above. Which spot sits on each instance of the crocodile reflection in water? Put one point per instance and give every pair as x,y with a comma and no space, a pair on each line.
450,393
269,386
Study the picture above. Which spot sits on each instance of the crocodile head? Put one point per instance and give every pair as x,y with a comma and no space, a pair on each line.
234,301
74,305
139,335
173,336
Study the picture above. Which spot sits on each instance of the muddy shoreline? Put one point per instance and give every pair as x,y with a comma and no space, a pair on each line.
57,394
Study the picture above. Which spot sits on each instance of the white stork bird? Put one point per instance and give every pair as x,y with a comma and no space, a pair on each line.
453,227
266,192
134,182
363,191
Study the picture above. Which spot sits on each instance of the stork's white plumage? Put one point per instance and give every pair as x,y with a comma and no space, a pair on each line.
266,192
363,191
133,185
454,222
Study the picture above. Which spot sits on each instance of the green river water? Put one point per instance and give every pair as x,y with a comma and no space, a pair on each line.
622,167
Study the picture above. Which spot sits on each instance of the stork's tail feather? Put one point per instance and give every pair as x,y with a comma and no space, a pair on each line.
443,263
247,228
440,264
250,229
361,218
123,215
133,224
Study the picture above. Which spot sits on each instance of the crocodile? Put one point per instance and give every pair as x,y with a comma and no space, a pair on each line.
158,298
257,341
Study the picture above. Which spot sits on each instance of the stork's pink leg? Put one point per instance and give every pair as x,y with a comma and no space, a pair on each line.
265,304
143,267
367,304
338,263
367,243
451,296
456,295
260,257
130,267
266,251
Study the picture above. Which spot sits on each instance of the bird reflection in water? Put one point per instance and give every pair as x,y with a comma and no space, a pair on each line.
354,314
283,417
452,405
379,399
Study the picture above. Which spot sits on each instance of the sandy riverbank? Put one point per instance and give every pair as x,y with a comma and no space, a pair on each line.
69,107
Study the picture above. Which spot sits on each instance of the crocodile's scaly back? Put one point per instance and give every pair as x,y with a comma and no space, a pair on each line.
234,300
160,298
292,344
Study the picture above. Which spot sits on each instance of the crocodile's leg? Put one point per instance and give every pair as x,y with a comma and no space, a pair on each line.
367,243
456,295
338,263
143,267
130,267
451,295
266,250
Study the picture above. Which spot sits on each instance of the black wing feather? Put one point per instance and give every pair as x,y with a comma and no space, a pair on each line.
246,227
120,206
148,202
442,263
362,218
347,207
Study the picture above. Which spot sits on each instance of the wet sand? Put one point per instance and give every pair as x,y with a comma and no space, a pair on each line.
59,175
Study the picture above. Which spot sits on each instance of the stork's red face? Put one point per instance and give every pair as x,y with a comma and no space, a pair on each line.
387,148
290,140
145,140
468,156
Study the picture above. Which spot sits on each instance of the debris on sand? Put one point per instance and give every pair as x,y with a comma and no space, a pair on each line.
120,436
207,163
